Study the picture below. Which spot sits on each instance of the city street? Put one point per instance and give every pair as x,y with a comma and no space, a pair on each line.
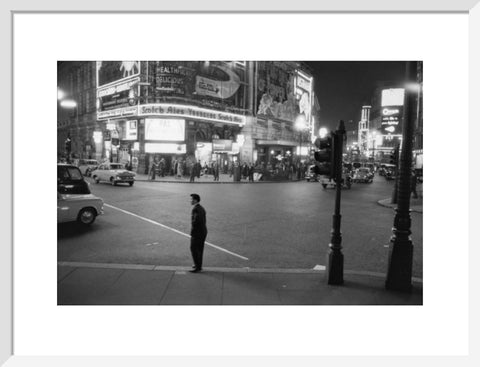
261,225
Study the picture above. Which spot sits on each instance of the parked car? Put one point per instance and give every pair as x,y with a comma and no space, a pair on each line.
80,208
70,180
113,173
384,167
74,199
86,166
363,174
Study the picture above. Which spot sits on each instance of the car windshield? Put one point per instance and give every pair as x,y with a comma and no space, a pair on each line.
69,173
116,166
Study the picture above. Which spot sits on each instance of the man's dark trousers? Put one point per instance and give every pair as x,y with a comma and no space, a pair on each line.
196,247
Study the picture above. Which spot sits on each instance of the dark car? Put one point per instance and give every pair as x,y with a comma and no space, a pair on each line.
363,174
70,180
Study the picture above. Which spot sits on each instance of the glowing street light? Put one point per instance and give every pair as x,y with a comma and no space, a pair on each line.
323,132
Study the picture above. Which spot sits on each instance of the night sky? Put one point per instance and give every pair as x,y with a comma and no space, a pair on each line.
343,87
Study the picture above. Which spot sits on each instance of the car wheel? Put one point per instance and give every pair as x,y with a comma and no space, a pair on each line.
96,179
87,216
324,186
130,183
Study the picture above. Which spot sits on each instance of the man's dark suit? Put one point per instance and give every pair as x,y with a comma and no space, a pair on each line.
199,234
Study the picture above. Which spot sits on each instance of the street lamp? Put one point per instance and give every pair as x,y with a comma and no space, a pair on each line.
68,104
323,132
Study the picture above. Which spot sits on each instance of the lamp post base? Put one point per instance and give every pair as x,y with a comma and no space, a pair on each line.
400,257
334,267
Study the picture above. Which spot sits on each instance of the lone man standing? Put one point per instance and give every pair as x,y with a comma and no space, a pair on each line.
198,233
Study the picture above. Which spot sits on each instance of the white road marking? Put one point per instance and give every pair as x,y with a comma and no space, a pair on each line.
319,267
174,230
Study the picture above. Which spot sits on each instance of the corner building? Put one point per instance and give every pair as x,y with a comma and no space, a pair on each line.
181,111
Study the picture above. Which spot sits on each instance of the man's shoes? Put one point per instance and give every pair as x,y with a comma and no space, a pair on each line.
195,270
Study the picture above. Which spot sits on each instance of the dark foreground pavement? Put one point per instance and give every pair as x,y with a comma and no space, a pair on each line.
118,284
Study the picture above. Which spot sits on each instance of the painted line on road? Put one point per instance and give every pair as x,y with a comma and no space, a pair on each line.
174,230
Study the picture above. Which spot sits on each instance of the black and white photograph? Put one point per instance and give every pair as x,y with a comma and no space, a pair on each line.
240,182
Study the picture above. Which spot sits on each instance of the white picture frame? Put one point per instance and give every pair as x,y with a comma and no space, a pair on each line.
7,327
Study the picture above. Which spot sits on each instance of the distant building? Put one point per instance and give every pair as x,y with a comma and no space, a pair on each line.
76,85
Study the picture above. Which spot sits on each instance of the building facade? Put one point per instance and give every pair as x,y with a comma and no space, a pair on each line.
76,83
186,111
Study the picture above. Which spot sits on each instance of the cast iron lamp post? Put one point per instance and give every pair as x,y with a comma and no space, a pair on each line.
400,257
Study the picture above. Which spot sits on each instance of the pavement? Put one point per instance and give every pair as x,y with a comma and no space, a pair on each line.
222,179
137,284
127,284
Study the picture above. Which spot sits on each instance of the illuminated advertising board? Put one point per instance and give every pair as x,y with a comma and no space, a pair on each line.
109,72
393,97
211,83
167,148
303,92
131,130
164,129
119,95
391,120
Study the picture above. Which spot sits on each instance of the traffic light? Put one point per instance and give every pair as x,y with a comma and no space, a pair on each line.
68,145
394,156
324,156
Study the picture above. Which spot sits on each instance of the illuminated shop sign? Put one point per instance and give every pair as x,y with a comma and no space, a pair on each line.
165,129
131,130
222,145
393,97
112,71
190,112
169,148
119,112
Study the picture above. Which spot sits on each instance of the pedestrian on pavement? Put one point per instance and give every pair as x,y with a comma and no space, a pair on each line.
192,171
198,233
162,165
413,184
251,170
244,170
153,169
216,171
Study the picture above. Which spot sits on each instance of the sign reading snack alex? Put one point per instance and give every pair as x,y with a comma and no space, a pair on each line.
165,109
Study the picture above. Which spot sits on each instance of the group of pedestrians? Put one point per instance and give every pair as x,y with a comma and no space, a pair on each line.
157,167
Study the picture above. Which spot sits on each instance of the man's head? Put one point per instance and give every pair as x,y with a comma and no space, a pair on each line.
195,198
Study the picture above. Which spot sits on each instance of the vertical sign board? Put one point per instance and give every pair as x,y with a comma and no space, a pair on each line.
392,111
